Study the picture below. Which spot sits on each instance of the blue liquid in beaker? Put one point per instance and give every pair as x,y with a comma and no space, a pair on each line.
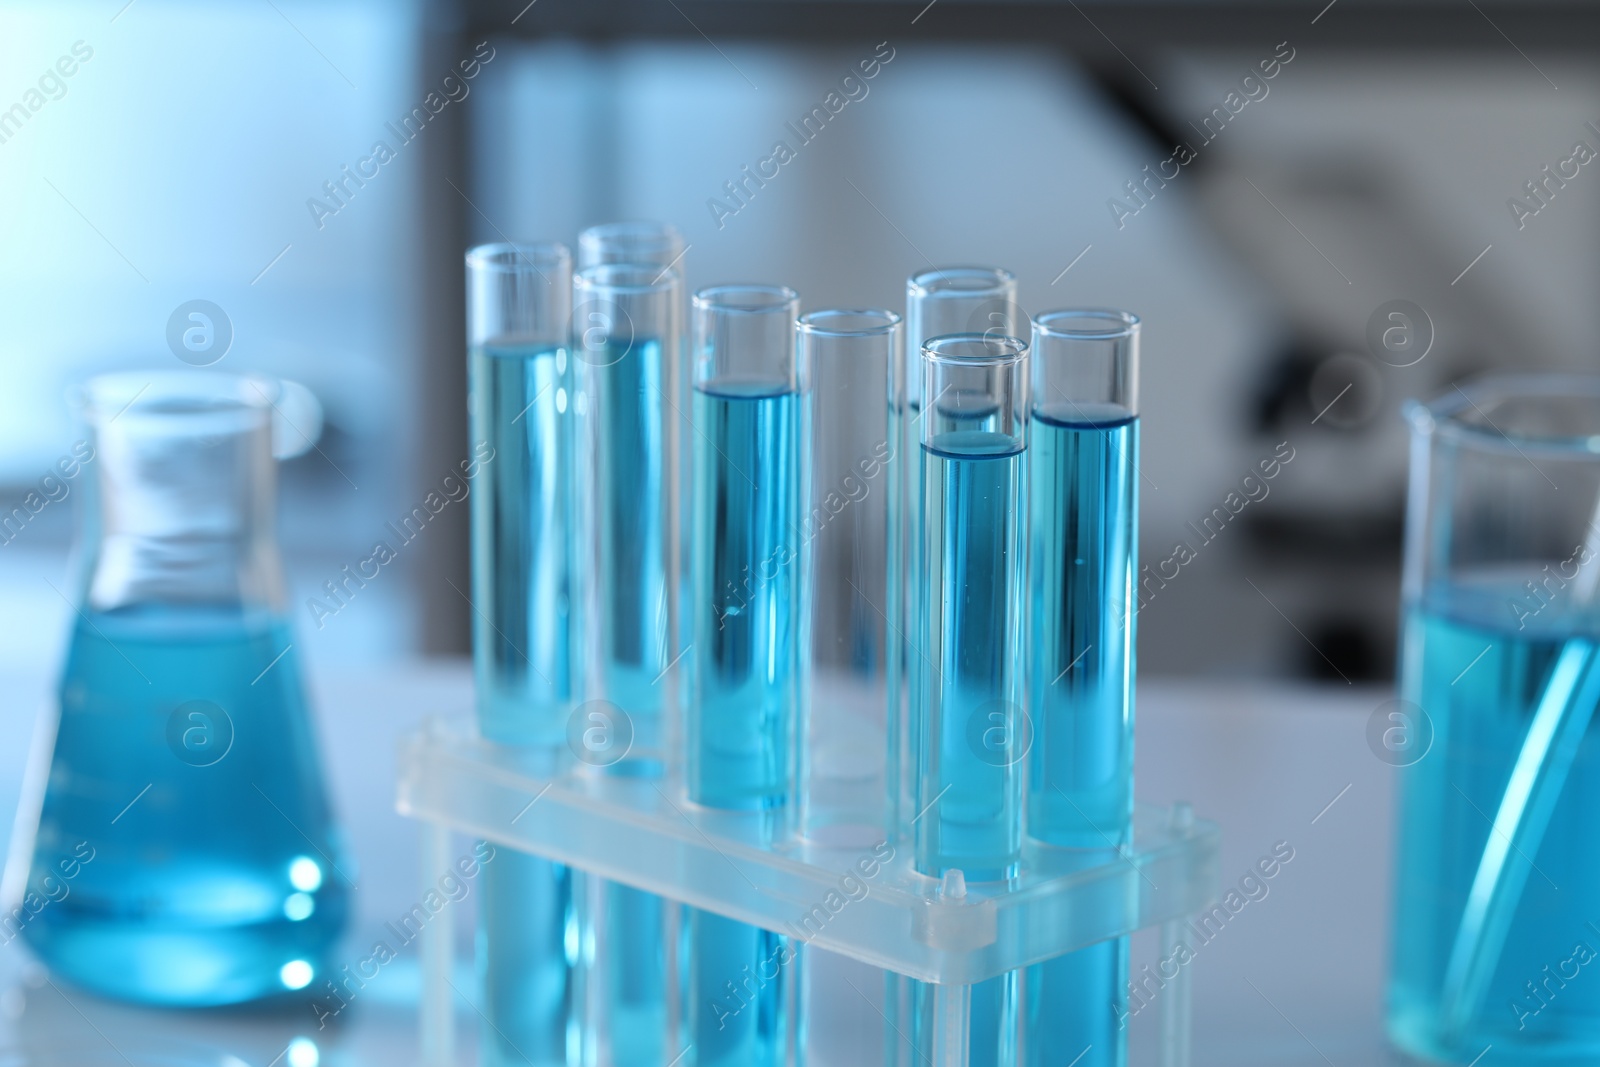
185,846
1477,667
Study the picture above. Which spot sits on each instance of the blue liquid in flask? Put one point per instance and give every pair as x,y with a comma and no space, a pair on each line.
185,846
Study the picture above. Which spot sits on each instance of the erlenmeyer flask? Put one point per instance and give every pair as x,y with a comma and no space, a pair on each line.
185,852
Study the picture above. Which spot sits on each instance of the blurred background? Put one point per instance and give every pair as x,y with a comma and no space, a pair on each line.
206,152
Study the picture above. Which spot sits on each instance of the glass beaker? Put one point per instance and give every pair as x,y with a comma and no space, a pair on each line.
185,851
1501,540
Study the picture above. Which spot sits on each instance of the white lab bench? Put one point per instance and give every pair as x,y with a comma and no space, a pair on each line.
1295,977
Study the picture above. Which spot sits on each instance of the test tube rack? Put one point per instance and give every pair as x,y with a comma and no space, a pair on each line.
646,834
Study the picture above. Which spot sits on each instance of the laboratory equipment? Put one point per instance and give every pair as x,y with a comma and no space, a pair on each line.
519,300
1499,626
644,243
627,358
939,302
968,728
748,626
185,852
852,358
838,901
1083,452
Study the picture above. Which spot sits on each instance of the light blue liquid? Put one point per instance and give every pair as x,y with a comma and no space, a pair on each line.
1083,513
628,522
1479,677
746,583
748,625
527,946
521,541
1082,543
519,398
636,970
169,878
965,711
1073,1006
992,1034
967,721
626,502
738,998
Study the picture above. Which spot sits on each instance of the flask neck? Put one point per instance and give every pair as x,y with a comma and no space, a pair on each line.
182,512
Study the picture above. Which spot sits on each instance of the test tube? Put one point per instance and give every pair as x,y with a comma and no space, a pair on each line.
967,722
1084,508
1083,454
969,734
660,245
626,358
519,387
851,357
939,302
749,619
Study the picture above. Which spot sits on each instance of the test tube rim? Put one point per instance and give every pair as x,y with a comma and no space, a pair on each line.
593,277
884,322
518,257
712,298
1443,416
657,236
921,283
934,350
1047,323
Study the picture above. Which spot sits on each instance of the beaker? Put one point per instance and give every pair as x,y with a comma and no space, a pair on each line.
1498,584
185,852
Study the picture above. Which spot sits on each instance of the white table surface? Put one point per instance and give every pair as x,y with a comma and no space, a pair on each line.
1295,978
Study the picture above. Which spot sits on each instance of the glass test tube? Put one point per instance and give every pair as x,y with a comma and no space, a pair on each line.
519,386
850,356
658,244
939,302
1083,454
626,358
749,624
969,735
966,723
